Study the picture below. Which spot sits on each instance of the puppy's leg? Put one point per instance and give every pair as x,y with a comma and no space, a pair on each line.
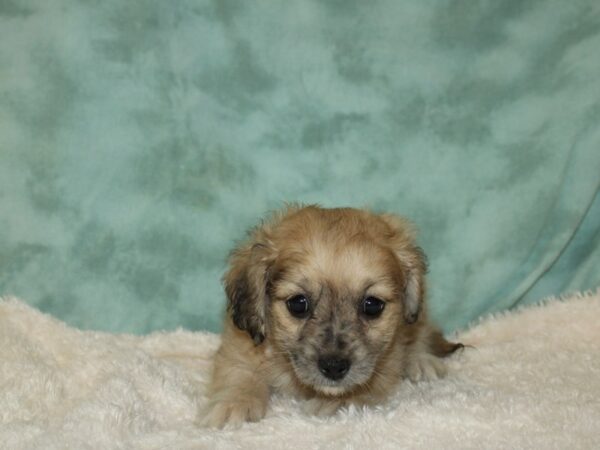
424,358
238,391
323,406
439,346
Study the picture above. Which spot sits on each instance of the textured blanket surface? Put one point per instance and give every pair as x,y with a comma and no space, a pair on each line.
531,380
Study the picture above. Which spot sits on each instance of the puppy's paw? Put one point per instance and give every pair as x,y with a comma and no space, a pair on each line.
234,412
425,367
322,407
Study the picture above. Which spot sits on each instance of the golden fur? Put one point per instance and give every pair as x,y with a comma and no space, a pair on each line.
330,261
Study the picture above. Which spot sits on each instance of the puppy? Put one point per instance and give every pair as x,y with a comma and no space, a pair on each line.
326,305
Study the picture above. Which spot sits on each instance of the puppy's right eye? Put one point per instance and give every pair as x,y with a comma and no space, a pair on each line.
298,306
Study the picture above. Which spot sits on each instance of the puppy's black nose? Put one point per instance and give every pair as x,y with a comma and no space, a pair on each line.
334,368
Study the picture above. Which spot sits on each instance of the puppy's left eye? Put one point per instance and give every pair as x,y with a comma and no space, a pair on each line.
372,307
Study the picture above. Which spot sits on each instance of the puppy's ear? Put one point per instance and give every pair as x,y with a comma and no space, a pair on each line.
415,284
245,285
401,236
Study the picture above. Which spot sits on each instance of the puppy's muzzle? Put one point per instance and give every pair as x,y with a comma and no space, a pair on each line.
333,367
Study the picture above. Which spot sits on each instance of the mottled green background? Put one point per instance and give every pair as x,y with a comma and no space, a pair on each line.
139,139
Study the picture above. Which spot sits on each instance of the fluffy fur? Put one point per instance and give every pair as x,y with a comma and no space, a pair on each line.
532,381
334,354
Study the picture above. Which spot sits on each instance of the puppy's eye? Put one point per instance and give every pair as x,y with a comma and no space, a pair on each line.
298,306
372,307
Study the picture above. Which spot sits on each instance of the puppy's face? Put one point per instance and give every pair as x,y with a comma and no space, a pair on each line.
329,289
335,309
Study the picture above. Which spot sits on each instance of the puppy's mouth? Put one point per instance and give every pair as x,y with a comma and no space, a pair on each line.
331,376
333,391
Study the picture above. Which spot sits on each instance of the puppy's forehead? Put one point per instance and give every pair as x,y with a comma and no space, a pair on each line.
348,264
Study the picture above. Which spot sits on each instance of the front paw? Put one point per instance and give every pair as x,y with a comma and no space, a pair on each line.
425,367
234,411
322,407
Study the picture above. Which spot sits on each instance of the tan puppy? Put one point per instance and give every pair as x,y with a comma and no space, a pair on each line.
326,305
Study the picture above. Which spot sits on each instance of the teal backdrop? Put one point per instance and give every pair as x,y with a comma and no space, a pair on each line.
140,139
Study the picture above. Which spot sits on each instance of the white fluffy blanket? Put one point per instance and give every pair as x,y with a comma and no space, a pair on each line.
532,381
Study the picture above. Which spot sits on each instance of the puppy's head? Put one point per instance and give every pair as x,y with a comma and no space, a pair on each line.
331,289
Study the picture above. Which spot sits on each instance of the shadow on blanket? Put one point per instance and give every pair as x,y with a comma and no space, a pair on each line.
532,380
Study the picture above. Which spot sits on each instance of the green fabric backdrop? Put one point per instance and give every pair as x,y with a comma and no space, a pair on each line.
139,139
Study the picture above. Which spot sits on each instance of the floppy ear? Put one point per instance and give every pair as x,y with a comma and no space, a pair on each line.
401,237
415,284
245,286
